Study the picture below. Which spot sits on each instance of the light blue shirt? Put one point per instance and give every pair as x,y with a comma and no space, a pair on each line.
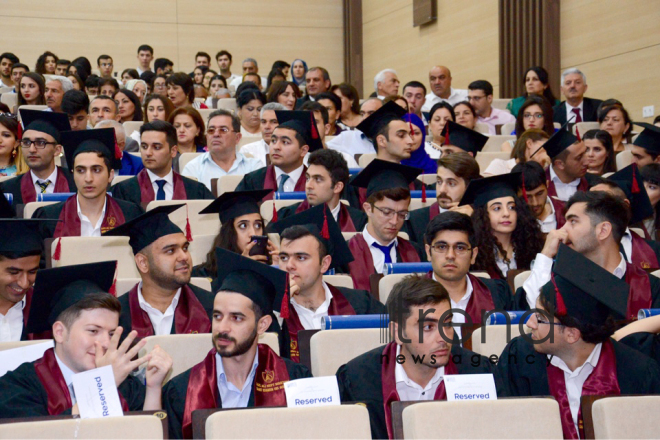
67,373
230,395
203,168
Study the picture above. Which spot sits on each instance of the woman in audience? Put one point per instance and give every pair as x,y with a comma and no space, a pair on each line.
350,105
198,74
181,91
615,120
217,90
208,76
84,64
528,144
137,86
285,93
600,152
159,86
157,108
536,84
403,103
438,117
465,115
651,175
129,106
189,130
298,72
31,89
249,104
11,156
78,68
534,113
129,74
419,158
77,81
46,63
275,76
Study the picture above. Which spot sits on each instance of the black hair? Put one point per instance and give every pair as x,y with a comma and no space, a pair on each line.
612,104
133,73
19,66
350,93
221,53
84,64
163,127
92,81
336,101
543,77
248,95
278,88
92,301
413,290
235,122
590,333
40,67
279,64
273,73
533,174
332,161
245,86
107,98
415,84
108,81
602,206
184,81
147,76
450,221
468,105
481,84
219,78
102,57
445,105
11,57
546,109
145,47
296,232
62,62
651,173
137,113
203,54
75,101
605,139
314,106
161,63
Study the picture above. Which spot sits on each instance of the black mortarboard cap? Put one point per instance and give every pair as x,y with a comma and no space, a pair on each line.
51,123
559,141
235,204
481,191
148,227
463,138
57,289
101,139
587,292
22,237
380,175
630,181
303,123
381,117
265,285
649,138
319,221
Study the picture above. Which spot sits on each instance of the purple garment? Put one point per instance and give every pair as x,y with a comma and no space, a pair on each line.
419,158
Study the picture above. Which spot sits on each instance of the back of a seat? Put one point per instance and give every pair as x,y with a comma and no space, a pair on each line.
501,103
386,284
494,143
9,345
80,250
339,280
29,208
248,140
185,158
200,224
482,128
228,183
585,126
322,422
330,349
227,104
485,158
204,113
267,207
495,338
117,179
417,203
520,279
131,427
623,159
484,419
366,159
131,126
200,247
626,417
10,99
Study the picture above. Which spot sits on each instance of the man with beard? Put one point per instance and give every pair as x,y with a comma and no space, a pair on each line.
163,302
238,372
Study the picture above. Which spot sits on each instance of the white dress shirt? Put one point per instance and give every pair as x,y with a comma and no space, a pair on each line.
461,304
53,180
504,266
550,222
564,190
87,229
352,142
230,395
570,114
258,150
455,96
290,184
409,390
335,211
161,322
203,168
311,320
497,117
238,80
11,324
376,254
575,379
626,244
168,187
68,374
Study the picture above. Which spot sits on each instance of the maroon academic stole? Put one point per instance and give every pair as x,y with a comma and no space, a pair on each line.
640,290
147,189
642,254
339,305
270,182
481,299
602,381
434,210
559,204
202,392
29,194
189,315
69,226
26,310
345,221
51,378
389,383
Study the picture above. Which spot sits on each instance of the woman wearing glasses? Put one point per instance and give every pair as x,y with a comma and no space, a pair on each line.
534,113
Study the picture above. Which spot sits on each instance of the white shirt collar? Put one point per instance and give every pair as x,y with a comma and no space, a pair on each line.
335,211
293,175
370,239
52,177
169,178
144,305
569,109
311,319
620,270
400,375
557,180
82,216
592,361
66,371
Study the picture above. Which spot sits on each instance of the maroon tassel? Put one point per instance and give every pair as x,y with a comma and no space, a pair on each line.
189,236
118,153
315,132
113,289
58,250
325,233
274,219
635,185
524,190
284,309
577,133
423,192
446,136
19,130
561,307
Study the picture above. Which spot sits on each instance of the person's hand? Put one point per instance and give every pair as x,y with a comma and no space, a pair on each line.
274,252
119,356
465,209
246,253
158,367
552,241
294,289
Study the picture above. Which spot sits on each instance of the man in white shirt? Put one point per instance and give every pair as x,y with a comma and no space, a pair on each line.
415,93
223,132
441,89
386,83
566,173
354,141
7,60
260,149
249,66
480,95
145,54
56,87
224,60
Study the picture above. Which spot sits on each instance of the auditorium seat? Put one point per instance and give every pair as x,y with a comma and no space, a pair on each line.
623,159
656,273
204,113
484,419
348,235
585,127
267,207
500,103
131,126
330,349
3,178
339,280
30,107
81,250
131,427
227,184
508,128
6,90
417,203
185,158
626,417
228,104
428,179
124,285
10,99
248,140
485,158
366,159
119,178
29,208
494,144
200,246
520,279
482,128
322,422
200,224
495,338
9,345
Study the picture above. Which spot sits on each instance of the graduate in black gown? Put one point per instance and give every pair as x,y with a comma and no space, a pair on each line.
570,353
160,249
73,302
378,378
242,310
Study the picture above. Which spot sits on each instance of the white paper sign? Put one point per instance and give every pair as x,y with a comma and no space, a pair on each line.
96,393
470,387
11,359
312,391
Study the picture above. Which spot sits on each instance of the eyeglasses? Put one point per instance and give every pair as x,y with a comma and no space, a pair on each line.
389,213
459,248
39,143
533,116
220,130
475,98
543,321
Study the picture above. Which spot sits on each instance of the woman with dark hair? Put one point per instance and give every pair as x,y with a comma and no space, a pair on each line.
249,104
298,72
31,89
465,115
600,152
77,69
438,117
189,130
77,81
217,90
157,108
275,76
350,105
198,74
398,99
158,85
129,107
208,76
284,92
536,83
418,157
83,62
615,120
11,156
534,113
181,91
46,63
528,144
651,175
129,74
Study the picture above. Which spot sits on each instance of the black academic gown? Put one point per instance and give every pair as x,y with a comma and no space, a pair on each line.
589,111
416,225
200,271
23,395
253,181
501,292
129,190
176,390
360,380
358,217
647,343
13,186
362,302
523,370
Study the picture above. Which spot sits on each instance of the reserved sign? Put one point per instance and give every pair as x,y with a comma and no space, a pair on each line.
470,387
96,393
312,391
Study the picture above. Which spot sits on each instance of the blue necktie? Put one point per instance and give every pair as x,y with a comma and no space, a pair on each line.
385,250
283,179
160,195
